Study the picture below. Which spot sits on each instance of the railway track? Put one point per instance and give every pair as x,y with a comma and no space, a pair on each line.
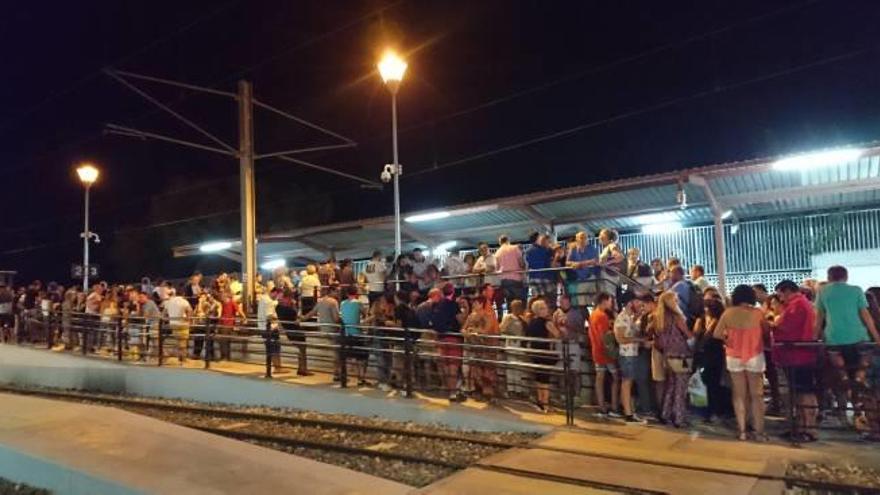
291,433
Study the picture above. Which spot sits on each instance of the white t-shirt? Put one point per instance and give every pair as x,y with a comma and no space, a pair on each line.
308,284
487,264
375,275
456,266
265,309
93,303
177,308
419,267
627,324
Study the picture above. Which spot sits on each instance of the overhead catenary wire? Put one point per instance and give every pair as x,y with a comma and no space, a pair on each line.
97,72
591,71
644,110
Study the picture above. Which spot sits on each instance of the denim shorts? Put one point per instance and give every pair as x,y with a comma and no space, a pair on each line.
629,366
610,367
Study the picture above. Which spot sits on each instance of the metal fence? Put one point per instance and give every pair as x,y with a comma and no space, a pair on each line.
409,358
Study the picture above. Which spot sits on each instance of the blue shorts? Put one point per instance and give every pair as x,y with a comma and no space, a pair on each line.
629,366
610,367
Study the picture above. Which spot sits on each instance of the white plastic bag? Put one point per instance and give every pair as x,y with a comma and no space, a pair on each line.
697,391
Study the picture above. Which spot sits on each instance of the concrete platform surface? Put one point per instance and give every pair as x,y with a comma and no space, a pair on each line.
78,448
479,482
243,384
636,457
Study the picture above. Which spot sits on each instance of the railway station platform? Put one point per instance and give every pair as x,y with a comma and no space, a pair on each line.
25,366
595,456
74,448
624,459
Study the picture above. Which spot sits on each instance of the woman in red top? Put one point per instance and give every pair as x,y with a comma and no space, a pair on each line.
600,324
228,311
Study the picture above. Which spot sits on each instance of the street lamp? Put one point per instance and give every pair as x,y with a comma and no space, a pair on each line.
88,174
392,68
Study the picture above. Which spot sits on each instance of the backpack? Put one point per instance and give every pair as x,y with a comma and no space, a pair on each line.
695,301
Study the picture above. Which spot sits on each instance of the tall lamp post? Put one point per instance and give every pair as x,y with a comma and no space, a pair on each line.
88,174
392,68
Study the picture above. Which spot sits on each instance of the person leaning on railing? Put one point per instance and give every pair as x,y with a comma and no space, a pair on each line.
178,311
513,324
842,318
795,323
583,258
480,330
539,257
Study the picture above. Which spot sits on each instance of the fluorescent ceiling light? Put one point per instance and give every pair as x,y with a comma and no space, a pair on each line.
273,264
424,217
443,248
213,247
663,217
726,214
661,228
811,161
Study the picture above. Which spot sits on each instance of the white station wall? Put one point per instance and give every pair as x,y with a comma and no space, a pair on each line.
863,266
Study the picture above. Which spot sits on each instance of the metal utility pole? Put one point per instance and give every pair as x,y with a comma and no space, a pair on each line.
245,153
247,195
398,245
86,236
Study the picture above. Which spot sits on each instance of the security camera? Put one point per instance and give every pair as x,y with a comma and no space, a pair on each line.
387,173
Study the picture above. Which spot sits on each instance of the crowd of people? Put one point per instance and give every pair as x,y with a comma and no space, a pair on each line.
493,323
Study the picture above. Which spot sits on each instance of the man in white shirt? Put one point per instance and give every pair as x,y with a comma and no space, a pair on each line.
375,272
628,335
487,265
455,268
419,268
698,277
266,308
267,321
93,315
178,311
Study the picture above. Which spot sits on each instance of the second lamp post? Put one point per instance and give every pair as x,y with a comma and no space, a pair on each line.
392,68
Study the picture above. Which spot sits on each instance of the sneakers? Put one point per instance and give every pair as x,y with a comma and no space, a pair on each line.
614,414
384,387
633,419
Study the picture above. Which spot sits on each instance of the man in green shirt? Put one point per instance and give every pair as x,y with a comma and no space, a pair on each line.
843,320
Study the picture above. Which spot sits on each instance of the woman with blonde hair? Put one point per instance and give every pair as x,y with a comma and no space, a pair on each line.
541,327
671,337
309,288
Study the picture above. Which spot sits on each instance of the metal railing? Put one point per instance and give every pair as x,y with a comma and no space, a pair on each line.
407,357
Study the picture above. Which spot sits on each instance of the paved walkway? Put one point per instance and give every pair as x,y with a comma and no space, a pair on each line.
645,458
79,448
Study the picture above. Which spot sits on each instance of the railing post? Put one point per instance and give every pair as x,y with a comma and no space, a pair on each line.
209,342
792,408
160,351
50,335
119,339
343,354
84,324
266,341
566,383
408,362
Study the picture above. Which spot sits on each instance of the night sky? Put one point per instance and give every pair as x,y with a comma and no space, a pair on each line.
648,86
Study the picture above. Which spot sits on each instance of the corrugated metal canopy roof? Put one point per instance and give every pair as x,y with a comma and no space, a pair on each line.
750,189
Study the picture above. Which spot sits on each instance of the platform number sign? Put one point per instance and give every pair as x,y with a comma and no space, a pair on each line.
76,271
